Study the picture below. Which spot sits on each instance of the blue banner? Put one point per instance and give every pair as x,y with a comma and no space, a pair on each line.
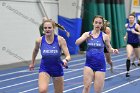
73,26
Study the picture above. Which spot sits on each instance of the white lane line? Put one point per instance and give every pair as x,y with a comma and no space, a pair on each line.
18,84
17,77
69,66
50,84
33,74
79,77
27,70
35,80
37,73
65,72
105,79
122,85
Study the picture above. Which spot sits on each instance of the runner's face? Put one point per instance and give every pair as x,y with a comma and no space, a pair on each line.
131,19
48,28
98,23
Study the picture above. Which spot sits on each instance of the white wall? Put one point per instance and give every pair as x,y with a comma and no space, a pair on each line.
127,7
70,8
19,23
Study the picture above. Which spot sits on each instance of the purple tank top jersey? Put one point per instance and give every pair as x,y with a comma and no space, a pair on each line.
95,53
132,38
51,56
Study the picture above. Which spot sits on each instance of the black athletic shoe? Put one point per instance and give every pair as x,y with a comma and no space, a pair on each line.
127,75
138,64
133,64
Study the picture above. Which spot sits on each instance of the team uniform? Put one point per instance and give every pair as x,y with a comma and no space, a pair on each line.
105,50
51,58
133,39
95,53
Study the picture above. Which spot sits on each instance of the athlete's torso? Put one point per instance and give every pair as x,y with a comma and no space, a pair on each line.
132,38
51,54
95,52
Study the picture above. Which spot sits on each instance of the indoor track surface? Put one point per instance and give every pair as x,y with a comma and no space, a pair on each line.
20,80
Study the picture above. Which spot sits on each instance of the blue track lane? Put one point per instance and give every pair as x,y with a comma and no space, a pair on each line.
20,80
